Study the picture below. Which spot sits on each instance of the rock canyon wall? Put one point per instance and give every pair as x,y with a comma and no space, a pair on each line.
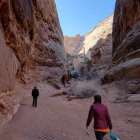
99,32
31,46
96,45
73,44
126,41
78,44
101,56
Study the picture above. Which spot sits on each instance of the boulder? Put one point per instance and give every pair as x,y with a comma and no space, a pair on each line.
133,88
134,98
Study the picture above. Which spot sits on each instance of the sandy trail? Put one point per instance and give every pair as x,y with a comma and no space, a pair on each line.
54,119
57,119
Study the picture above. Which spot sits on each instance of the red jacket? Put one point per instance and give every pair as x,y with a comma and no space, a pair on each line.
101,116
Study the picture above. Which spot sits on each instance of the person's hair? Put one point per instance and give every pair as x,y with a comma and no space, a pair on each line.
34,86
97,99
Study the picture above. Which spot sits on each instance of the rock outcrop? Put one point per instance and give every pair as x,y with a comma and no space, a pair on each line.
99,32
73,44
126,41
101,56
81,44
31,46
95,48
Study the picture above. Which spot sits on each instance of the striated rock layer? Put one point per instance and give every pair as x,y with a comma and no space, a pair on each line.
31,46
73,44
83,44
94,48
99,32
126,41
101,56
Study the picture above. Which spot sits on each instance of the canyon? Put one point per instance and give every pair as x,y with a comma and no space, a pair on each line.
34,52
31,48
95,46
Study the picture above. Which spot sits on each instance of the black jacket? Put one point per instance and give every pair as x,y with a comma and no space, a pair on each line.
35,93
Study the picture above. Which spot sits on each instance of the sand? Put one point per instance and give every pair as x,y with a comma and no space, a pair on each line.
55,118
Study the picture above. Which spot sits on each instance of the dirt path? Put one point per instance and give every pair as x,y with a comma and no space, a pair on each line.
54,119
57,119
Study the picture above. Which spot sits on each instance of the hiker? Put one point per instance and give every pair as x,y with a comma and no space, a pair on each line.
35,94
102,121
65,80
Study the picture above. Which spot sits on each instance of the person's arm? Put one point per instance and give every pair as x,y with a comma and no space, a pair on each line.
90,116
109,120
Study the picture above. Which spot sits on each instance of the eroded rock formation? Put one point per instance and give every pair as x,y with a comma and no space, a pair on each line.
84,43
31,45
73,44
101,56
99,32
94,47
126,41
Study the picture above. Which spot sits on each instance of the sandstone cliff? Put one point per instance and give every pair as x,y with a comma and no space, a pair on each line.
101,56
100,31
73,44
126,41
81,44
96,45
31,46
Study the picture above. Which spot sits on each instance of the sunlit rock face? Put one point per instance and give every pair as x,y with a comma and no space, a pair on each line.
73,44
31,46
80,44
101,56
99,32
96,45
126,41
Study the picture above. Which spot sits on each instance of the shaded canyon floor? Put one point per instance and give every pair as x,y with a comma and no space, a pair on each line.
55,118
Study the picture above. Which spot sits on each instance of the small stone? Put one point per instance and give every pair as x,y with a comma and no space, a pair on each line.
72,98
134,98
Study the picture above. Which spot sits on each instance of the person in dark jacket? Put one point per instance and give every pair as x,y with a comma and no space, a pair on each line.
35,94
65,79
102,121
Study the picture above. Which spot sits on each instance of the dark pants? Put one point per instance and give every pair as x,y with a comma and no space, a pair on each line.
99,135
34,102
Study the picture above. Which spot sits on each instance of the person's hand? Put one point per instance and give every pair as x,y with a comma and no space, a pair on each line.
87,131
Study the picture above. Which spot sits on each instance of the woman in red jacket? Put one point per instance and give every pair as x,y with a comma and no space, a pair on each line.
102,121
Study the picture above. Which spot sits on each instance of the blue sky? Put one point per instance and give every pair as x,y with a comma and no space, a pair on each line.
80,16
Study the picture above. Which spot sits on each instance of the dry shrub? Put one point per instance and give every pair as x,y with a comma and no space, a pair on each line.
84,89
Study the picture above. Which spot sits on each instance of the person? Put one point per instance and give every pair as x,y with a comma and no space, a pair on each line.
102,121
65,80
35,94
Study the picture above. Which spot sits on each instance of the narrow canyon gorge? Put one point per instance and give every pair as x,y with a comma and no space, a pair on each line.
31,47
34,52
